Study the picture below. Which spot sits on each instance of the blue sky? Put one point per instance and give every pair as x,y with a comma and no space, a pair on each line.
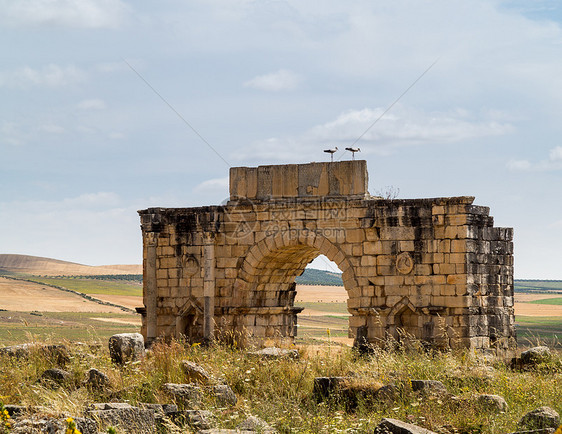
85,142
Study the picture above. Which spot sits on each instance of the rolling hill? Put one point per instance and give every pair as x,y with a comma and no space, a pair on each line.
25,264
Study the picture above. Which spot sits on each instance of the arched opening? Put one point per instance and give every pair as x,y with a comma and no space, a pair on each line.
321,292
404,323
268,288
407,325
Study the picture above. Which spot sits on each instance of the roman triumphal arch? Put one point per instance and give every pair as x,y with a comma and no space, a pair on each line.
435,269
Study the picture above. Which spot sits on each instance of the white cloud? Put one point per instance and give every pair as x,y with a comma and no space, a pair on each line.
554,162
400,127
101,199
519,165
64,13
48,76
91,104
275,82
214,185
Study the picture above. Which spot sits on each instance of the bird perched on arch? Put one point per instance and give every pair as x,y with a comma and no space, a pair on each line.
331,152
353,151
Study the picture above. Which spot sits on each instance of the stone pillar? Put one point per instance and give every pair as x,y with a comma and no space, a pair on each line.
150,286
209,287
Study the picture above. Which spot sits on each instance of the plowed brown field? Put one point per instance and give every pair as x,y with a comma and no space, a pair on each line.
22,296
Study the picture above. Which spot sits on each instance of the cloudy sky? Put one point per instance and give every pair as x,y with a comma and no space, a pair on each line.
85,140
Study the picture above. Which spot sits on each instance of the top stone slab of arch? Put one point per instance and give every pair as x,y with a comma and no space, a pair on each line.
347,179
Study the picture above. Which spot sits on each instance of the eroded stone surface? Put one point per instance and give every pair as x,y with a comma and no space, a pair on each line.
195,373
535,355
254,423
96,379
394,426
492,403
429,387
127,419
126,347
542,417
188,395
56,376
276,353
224,395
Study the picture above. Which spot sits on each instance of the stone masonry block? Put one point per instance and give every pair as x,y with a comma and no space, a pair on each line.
368,261
355,235
437,209
372,247
406,246
398,233
456,279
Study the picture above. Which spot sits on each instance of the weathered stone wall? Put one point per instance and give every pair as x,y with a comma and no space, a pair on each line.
435,269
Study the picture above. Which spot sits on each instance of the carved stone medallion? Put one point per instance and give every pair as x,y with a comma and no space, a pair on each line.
404,263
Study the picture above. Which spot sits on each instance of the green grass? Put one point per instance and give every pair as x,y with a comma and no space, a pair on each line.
318,326
555,301
534,329
91,286
21,327
537,285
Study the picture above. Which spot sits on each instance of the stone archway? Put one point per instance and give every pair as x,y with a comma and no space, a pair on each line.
409,263
266,281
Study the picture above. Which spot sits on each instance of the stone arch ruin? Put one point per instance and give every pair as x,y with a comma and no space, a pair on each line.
435,269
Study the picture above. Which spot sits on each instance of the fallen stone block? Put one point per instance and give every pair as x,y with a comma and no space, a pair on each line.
542,417
52,425
199,419
326,386
127,419
224,395
492,403
276,353
56,377
126,347
195,373
97,380
253,424
394,426
188,395
535,356
431,387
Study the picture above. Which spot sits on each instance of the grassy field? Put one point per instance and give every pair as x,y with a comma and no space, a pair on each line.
22,327
281,392
538,285
318,318
554,301
322,321
533,330
92,286
317,321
